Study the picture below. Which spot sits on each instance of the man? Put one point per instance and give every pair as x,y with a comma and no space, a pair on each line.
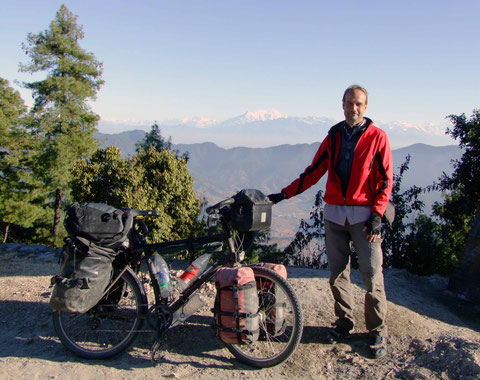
358,159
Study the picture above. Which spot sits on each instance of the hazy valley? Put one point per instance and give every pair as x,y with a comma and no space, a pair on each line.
220,172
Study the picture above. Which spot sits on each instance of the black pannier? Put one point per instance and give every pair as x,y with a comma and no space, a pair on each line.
99,223
85,273
252,211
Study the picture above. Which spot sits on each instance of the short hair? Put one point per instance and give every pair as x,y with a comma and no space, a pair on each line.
355,87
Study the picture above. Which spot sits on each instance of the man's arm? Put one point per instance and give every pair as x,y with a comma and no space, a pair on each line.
312,173
383,176
384,182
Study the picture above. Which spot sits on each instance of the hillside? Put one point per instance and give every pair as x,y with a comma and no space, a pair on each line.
220,173
432,335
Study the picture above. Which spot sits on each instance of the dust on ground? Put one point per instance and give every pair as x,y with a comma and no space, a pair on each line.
432,334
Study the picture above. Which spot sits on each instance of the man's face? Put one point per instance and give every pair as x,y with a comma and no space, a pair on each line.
354,106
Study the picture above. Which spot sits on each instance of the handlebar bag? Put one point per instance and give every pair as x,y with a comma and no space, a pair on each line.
99,223
251,211
272,300
85,273
236,305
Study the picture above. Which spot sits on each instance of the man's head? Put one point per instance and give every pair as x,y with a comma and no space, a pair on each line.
355,100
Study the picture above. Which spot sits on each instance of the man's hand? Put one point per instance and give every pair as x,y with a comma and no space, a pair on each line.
277,197
373,227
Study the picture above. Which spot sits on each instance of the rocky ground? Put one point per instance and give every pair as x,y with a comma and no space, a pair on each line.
432,333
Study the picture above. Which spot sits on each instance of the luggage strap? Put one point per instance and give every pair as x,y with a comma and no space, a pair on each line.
235,288
81,283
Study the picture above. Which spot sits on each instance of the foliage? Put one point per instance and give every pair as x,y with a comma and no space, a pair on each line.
261,250
406,202
151,179
465,179
19,191
462,188
62,118
155,140
435,245
415,241
424,249
308,248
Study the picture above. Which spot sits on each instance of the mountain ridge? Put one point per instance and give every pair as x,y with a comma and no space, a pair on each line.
221,172
266,128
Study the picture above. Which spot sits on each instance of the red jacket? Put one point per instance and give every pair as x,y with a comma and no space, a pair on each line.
371,176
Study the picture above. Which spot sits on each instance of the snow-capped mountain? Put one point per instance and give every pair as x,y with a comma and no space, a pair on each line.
255,116
436,129
265,128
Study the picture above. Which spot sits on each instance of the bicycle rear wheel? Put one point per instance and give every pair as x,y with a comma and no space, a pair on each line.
278,339
109,327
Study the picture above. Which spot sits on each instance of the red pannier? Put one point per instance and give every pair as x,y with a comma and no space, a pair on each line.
272,300
236,305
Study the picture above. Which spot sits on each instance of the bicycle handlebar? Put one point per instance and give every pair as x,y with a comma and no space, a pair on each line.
216,208
140,213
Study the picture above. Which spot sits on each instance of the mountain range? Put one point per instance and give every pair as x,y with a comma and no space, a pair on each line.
265,128
221,172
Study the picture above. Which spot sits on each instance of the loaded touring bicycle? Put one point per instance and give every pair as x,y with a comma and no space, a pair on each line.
101,301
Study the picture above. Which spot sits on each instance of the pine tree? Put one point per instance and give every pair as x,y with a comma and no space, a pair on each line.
18,188
154,139
62,117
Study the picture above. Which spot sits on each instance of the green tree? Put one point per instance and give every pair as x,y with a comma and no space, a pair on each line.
460,210
423,249
435,245
62,116
461,188
154,139
151,179
18,188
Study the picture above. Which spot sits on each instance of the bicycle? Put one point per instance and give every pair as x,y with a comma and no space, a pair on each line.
113,324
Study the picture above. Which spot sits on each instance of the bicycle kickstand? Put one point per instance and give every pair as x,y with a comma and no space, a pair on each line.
163,321
158,345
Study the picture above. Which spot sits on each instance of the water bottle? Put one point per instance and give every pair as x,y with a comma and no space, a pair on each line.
162,274
194,270
194,304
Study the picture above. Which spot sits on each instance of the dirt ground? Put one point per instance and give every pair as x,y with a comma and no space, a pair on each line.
433,335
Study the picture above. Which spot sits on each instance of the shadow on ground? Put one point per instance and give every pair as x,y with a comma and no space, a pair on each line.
27,332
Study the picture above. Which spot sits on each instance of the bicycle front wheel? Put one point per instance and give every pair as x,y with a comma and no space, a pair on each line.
109,327
281,322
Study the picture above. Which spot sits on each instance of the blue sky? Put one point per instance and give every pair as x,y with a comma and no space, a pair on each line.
218,59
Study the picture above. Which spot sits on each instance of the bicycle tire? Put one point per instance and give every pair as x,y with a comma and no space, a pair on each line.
272,348
92,335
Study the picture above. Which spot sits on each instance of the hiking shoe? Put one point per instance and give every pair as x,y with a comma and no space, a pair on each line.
378,346
338,334
375,340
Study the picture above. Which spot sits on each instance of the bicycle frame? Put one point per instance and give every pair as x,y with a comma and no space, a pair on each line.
144,251
203,278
